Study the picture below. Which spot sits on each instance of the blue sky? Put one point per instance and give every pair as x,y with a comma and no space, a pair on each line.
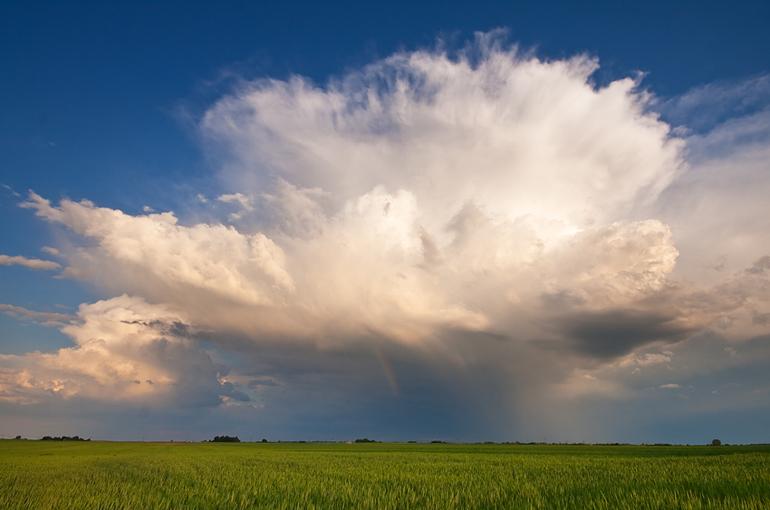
146,107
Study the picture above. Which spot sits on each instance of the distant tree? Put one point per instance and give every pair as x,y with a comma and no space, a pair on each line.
226,439
264,440
716,442
365,440
17,437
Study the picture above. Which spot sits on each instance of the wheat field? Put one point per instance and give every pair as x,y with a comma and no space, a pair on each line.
107,475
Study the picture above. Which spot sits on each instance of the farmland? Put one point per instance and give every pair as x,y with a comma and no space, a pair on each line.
104,475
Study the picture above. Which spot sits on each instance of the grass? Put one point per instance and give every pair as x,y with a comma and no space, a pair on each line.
105,475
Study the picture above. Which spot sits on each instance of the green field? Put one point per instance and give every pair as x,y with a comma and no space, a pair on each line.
43,474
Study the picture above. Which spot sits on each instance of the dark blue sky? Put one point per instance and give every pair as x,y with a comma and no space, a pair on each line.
99,100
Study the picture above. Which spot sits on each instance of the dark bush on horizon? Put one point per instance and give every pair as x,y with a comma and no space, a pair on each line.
64,438
225,439
364,440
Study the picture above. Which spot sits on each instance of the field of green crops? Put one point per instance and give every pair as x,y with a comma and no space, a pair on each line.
103,475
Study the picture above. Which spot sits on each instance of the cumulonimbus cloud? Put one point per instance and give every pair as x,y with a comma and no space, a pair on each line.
423,201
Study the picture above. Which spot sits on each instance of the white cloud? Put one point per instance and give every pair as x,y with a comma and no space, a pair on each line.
10,190
236,198
647,359
155,254
45,318
39,264
518,136
703,107
498,217
125,350
241,200
420,195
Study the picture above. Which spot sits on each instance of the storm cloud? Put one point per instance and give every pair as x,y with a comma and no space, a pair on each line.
478,241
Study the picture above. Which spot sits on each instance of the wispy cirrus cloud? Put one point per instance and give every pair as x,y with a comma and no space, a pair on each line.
30,263
54,319
702,108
